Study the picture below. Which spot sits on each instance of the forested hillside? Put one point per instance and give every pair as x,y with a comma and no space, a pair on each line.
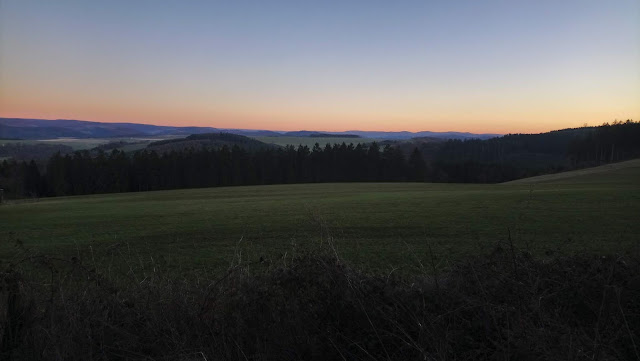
207,140
230,163
516,156
25,151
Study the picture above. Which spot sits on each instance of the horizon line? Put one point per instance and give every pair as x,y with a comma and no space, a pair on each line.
283,131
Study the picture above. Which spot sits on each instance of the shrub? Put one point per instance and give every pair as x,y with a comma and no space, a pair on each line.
503,306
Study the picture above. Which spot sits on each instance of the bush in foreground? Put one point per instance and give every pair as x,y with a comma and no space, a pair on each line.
505,306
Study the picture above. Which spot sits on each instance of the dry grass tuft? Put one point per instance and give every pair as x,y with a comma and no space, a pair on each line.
505,306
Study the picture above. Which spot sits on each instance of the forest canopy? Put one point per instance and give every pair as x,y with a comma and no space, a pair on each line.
494,160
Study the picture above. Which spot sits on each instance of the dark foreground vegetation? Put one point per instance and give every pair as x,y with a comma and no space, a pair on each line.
239,160
116,305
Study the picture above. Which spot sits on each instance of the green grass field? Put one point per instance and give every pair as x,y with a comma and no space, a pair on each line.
608,173
310,142
379,225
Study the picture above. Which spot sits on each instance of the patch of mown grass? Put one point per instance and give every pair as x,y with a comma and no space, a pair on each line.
121,305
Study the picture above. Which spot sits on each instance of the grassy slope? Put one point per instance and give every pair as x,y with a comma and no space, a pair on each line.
383,225
608,173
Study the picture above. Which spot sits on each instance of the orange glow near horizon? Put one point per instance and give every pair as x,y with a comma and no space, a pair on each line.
494,67
495,125
510,120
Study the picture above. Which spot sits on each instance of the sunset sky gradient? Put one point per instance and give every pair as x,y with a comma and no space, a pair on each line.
479,66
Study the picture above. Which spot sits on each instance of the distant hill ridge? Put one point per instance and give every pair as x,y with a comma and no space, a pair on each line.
66,128
208,140
326,135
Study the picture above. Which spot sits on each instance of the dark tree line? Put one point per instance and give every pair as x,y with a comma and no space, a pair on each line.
472,161
84,173
29,151
607,143
516,156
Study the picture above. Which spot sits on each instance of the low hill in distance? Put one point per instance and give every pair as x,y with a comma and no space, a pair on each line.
66,128
409,135
327,135
18,128
207,140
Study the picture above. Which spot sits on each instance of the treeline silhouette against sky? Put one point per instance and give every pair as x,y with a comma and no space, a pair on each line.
471,161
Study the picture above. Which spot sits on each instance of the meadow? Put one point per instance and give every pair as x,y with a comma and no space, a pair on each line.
396,271
377,225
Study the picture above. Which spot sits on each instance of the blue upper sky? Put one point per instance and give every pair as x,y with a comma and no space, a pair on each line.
494,66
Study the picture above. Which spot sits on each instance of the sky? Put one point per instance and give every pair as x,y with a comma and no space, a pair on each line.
510,66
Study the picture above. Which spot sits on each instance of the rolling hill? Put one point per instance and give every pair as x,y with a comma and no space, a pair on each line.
18,128
380,225
207,140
